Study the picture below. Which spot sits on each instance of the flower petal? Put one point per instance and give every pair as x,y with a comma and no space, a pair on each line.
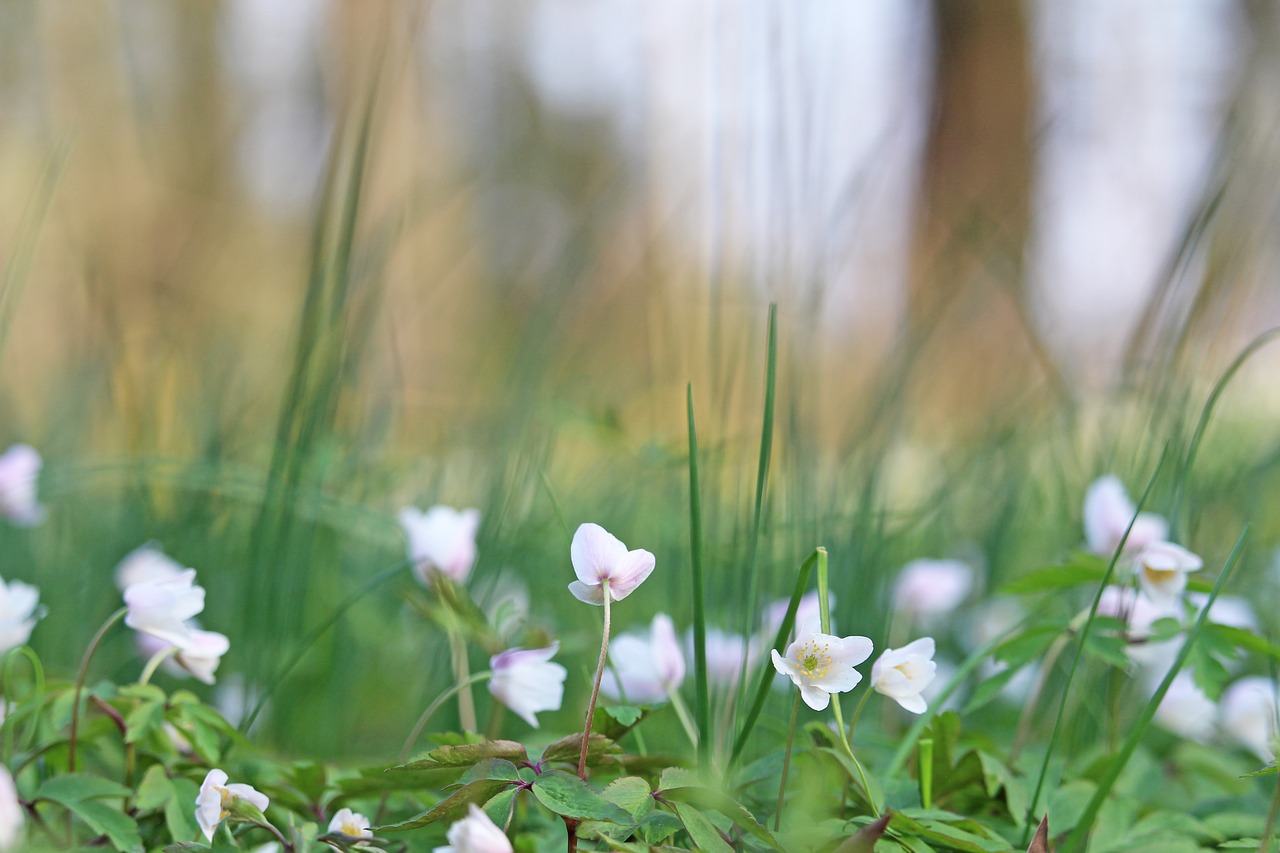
595,552
630,571
590,593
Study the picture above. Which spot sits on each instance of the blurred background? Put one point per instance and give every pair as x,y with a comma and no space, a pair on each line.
273,269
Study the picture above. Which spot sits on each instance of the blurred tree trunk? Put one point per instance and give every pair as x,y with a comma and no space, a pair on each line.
966,281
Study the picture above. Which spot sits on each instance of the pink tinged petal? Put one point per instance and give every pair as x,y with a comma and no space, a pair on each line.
930,587
144,564
19,470
527,682
631,571
667,657
595,553
202,657
589,594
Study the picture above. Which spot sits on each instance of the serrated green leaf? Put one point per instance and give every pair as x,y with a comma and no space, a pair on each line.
479,791
118,827
1107,648
492,768
658,826
709,798
76,787
630,793
179,812
143,720
1081,570
501,806
568,796
701,830
155,789
464,755
599,749
678,777
944,833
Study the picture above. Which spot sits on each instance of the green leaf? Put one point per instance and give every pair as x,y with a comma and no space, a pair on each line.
492,768
701,830
501,806
709,798
1081,570
678,777
632,794
72,788
465,755
114,824
143,720
155,789
944,833
865,839
988,690
599,749
1107,648
997,776
179,812
568,796
627,715
658,827
452,806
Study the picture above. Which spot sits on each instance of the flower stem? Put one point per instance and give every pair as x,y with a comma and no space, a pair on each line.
1272,814
848,748
80,677
461,672
595,688
435,706
154,663
786,761
686,721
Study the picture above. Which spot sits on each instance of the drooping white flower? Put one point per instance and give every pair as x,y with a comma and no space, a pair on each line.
1230,610
1186,711
202,657
1107,513
144,564
19,610
351,824
11,814
19,470
1249,715
822,664
901,674
526,681
598,556
929,587
162,607
648,668
1162,569
442,539
475,833
217,798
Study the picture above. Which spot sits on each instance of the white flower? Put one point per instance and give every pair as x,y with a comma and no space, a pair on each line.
475,833
822,664
351,824
442,539
1230,610
19,606
929,587
1162,569
1185,710
901,674
19,468
726,652
1107,513
1140,613
648,669
216,799
11,815
200,658
162,607
1249,715
144,564
599,556
526,681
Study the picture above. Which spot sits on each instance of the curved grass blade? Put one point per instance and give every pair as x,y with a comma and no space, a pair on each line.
702,708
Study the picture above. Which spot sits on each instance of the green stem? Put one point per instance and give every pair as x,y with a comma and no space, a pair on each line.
461,674
686,721
925,746
80,677
154,663
1272,814
435,706
786,761
702,701
595,688
37,690
857,713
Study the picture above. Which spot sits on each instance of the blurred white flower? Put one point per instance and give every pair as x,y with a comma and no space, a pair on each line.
1186,711
202,657
930,587
902,674
162,607
808,613
144,564
19,470
822,664
991,619
217,798
351,824
1107,513
648,668
1162,569
526,681
19,610
442,539
11,814
725,653
1230,610
507,605
1249,715
598,556
1139,613
475,833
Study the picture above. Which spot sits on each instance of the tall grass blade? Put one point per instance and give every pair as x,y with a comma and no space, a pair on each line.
15,271
766,667
702,708
1077,837
1080,646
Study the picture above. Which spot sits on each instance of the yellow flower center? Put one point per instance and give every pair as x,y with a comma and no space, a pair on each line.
349,828
814,659
1159,576
227,799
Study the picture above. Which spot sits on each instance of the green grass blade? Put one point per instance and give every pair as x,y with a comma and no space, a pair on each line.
15,271
766,666
702,708
1107,782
